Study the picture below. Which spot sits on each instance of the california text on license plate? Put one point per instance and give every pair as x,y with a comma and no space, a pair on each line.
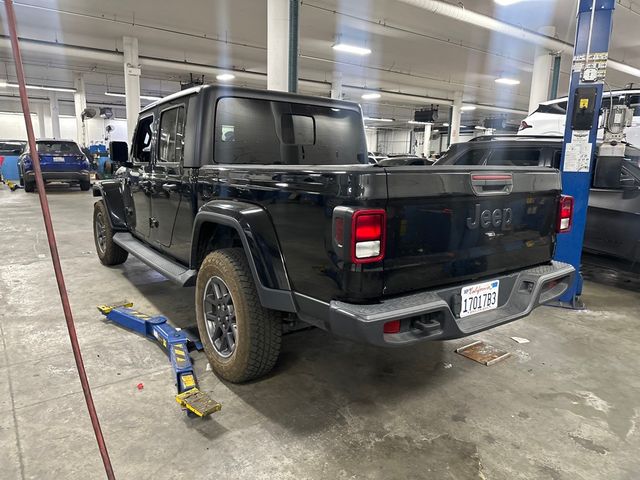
58,159
479,298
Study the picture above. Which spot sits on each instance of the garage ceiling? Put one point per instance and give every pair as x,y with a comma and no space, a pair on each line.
414,52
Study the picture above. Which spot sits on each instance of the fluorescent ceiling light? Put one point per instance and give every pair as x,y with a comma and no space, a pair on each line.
507,81
4,83
445,124
506,2
415,122
467,108
142,97
478,127
225,77
370,96
374,119
345,47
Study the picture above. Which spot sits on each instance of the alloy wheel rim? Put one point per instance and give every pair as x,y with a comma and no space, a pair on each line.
101,233
220,317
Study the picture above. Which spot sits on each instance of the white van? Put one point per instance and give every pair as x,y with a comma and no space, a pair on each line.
549,117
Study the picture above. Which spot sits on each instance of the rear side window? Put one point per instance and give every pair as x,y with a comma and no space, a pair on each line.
516,157
270,132
171,138
555,108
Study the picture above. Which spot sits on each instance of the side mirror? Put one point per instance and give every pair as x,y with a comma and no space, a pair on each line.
119,153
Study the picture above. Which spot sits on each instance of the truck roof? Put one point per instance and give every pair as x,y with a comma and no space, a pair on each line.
254,92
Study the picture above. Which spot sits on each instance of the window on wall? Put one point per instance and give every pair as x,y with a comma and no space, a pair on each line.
269,132
171,138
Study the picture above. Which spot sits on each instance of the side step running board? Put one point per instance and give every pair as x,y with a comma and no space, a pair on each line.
170,269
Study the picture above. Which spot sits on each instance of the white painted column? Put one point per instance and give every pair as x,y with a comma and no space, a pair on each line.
336,85
131,83
54,114
278,45
39,108
427,140
80,103
456,113
542,64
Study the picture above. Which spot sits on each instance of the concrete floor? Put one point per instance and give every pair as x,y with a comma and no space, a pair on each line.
565,406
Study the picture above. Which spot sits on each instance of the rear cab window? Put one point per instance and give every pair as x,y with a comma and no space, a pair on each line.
265,132
515,157
472,156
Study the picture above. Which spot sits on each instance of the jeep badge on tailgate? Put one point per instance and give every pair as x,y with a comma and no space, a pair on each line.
498,218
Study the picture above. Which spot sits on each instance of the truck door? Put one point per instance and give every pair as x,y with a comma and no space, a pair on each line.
139,178
169,188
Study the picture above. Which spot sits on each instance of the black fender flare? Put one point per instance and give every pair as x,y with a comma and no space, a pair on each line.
260,242
112,196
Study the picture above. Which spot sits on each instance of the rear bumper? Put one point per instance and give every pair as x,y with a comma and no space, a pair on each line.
433,315
74,176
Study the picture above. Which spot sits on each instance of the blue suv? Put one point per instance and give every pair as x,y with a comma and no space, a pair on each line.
60,161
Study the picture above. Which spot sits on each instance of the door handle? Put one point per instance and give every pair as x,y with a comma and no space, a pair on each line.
169,187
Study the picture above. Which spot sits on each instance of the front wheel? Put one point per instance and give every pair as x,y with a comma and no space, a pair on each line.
29,186
108,251
241,338
85,185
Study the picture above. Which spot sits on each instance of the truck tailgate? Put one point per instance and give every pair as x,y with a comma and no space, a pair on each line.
453,224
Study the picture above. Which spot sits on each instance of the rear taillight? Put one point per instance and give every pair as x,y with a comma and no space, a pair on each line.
524,125
368,235
565,214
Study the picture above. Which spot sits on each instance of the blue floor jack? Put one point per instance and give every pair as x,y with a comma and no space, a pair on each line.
176,344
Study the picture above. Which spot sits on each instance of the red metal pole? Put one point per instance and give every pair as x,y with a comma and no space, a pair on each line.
55,258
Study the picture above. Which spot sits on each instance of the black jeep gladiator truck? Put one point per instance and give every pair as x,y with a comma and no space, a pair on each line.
266,202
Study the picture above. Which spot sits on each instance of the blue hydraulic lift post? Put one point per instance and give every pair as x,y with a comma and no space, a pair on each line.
593,31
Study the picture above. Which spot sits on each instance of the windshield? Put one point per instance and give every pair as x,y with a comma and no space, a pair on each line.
58,148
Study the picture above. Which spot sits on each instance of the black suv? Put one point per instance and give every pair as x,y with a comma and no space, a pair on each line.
613,219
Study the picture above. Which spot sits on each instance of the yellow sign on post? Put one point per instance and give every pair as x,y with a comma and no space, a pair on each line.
584,103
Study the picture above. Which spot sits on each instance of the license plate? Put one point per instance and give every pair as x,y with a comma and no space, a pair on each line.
480,297
58,159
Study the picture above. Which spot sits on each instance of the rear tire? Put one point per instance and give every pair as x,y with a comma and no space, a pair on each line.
85,185
29,186
241,338
108,251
